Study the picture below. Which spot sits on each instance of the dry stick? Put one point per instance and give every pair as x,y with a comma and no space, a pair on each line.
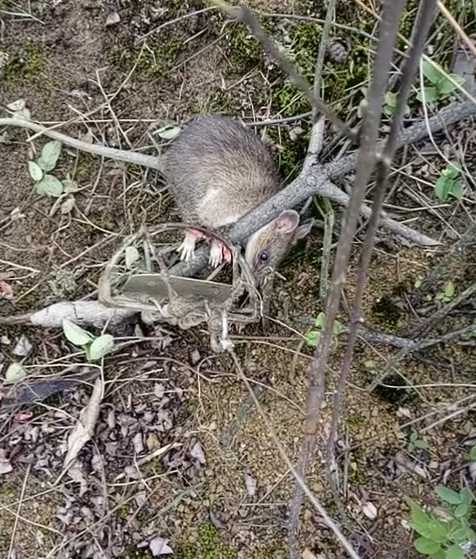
317,180
365,166
426,326
420,31
246,16
454,24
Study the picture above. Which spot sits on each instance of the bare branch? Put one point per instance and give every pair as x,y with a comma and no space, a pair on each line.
421,29
365,164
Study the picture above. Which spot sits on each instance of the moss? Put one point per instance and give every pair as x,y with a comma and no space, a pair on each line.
291,154
154,62
27,64
208,545
243,50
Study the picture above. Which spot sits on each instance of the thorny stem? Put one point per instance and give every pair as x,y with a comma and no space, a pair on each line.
365,165
420,31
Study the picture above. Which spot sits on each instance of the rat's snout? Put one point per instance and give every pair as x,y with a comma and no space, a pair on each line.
269,245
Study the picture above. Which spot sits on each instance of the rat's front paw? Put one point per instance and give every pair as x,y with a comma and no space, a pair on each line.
187,248
219,253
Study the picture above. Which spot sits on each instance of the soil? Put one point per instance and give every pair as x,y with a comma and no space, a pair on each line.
219,487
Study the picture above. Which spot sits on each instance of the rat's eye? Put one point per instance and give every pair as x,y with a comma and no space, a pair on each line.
263,256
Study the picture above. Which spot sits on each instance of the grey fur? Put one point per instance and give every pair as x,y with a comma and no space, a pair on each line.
217,171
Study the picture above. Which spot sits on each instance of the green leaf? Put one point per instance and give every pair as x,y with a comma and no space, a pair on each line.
14,373
431,95
391,99
75,334
100,347
454,552
50,186
472,454
462,510
420,443
419,519
432,73
446,187
446,86
36,172
438,555
312,338
320,320
462,535
426,546
438,531
339,328
49,155
466,496
452,172
445,493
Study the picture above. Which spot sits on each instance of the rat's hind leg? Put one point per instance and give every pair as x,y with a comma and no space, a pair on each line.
187,248
218,253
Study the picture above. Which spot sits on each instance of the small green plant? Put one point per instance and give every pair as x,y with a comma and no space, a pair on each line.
449,184
313,336
447,535
442,83
415,442
46,183
391,104
94,347
448,293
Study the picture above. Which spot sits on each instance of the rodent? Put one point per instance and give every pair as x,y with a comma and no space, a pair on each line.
217,171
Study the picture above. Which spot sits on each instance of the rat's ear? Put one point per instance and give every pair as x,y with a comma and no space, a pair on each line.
287,222
303,230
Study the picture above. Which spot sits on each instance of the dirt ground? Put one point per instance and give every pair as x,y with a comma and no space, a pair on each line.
180,453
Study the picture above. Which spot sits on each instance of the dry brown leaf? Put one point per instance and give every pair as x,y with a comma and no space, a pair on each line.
84,429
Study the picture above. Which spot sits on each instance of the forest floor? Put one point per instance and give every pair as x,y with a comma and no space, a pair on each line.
213,484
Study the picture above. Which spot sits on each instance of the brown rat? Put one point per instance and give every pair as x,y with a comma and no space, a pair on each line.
217,171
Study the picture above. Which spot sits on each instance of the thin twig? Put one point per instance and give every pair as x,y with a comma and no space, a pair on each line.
367,159
421,29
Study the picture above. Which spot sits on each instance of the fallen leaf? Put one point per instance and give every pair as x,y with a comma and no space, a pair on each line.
6,291
84,428
17,105
5,466
14,373
23,347
370,510
158,546
250,483
113,19
197,453
168,132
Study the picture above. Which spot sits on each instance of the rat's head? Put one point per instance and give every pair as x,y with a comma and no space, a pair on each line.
269,245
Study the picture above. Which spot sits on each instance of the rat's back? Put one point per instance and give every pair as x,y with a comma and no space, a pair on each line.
218,171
